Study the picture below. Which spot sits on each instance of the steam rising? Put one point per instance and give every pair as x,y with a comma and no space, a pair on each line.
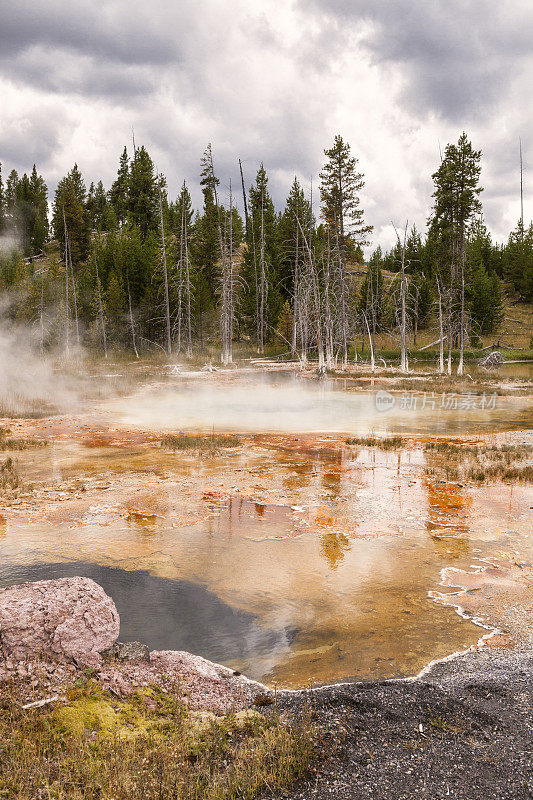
8,243
256,404
296,405
29,382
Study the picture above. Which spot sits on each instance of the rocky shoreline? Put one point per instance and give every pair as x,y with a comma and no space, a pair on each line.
53,631
461,729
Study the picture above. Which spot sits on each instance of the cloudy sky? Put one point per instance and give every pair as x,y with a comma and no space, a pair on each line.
273,81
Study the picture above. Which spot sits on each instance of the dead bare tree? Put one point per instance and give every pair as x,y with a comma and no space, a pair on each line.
130,314
100,305
230,280
185,235
226,314
296,293
67,320
263,286
41,312
441,327
165,279
246,217
404,363
372,357
314,278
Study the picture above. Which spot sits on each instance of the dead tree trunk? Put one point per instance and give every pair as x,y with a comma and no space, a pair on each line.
462,331
180,280
313,272
188,291
441,330
100,305
41,312
295,298
67,320
75,298
246,218
450,330
165,280
404,364
226,326
132,325
262,281
372,359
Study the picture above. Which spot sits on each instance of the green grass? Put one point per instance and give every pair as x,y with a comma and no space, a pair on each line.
211,443
387,443
7,443
9,477
480,464
19,407
97,746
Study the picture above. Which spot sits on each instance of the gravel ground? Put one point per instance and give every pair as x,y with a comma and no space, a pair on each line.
465,730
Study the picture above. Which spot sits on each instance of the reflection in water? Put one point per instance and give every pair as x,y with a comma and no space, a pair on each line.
167,614
449,506
333,546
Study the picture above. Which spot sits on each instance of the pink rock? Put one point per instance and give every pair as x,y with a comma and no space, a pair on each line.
66,619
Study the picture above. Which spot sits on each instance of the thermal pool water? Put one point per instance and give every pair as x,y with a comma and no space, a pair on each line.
295,558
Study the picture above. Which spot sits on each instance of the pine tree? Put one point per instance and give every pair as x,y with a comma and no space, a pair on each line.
11,189
518,261
119,192
143,193
183,214
485,300
26,209
207,251
262,298
69,208
39,216
456,202
296,217
339,192
115,305
419,302
2,201
97,206
371,300
413,251
481,250
296,223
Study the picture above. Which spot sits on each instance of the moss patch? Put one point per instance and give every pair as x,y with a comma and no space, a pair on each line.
96,745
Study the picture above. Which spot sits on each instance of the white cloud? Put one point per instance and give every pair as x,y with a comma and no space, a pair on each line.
270,82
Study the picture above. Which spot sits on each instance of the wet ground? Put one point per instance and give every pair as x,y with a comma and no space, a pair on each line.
294,557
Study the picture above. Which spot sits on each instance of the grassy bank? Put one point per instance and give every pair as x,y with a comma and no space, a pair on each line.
203,444
479,463
96,745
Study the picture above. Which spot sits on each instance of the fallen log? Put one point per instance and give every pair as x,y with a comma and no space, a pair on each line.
426,346
40,703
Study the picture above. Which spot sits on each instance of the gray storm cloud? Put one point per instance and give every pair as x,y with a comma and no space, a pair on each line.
273,83
460,55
